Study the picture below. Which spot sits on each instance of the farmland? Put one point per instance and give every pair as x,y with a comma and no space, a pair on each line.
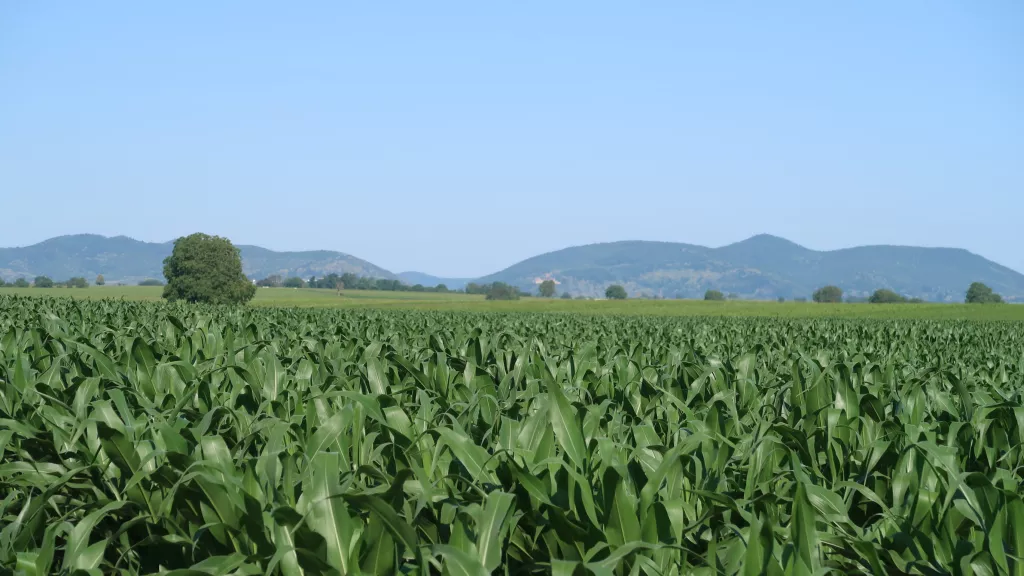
452,301
137,437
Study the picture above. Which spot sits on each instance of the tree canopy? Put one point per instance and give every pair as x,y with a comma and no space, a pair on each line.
714,295
884,296
43,282
547,289
100,280
828,294
502,291
272,281
615,292
980,293
204,268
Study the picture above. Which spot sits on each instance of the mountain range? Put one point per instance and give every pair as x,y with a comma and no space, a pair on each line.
125,260
763,267
760,267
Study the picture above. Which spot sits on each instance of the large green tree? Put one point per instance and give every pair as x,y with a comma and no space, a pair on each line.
714,295
829,294
884,296
43,282
204,268
547,289
615,292
980,293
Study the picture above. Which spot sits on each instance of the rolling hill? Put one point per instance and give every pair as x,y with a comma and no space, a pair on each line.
125,260
762,267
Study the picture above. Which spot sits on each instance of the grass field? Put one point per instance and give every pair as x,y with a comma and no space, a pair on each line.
317,298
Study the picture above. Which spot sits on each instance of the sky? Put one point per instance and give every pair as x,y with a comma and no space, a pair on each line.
457,138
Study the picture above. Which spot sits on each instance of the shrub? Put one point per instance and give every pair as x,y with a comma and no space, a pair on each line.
615,292
828,294
979,293
502,291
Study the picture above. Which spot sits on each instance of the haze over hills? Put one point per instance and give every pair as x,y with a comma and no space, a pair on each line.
413,278
125,260
761,267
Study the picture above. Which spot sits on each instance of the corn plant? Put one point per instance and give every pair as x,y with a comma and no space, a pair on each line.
147,438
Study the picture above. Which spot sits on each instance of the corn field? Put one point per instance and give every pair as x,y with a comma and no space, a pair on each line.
143,438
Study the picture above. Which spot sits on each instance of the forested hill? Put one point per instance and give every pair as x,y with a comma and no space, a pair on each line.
763,267
123,259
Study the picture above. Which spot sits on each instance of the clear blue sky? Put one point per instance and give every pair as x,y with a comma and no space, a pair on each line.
458,138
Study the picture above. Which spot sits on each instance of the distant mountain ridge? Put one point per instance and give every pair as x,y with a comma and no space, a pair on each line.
126,260
762,267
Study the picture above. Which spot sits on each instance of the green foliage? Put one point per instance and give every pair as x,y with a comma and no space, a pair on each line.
43,282
294,282
151,282
139,438
272,281
884,296
566,296
206,269
354,282
502,291
77,282
100,280
979,293
714,295
615,292
828,294
781,299
21,283
547,289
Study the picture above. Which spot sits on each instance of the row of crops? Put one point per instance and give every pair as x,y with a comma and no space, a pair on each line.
146,438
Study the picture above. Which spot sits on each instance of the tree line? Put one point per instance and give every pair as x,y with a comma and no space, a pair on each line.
349,281
47,282
978,293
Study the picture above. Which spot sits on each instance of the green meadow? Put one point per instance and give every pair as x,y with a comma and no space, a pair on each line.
320,298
